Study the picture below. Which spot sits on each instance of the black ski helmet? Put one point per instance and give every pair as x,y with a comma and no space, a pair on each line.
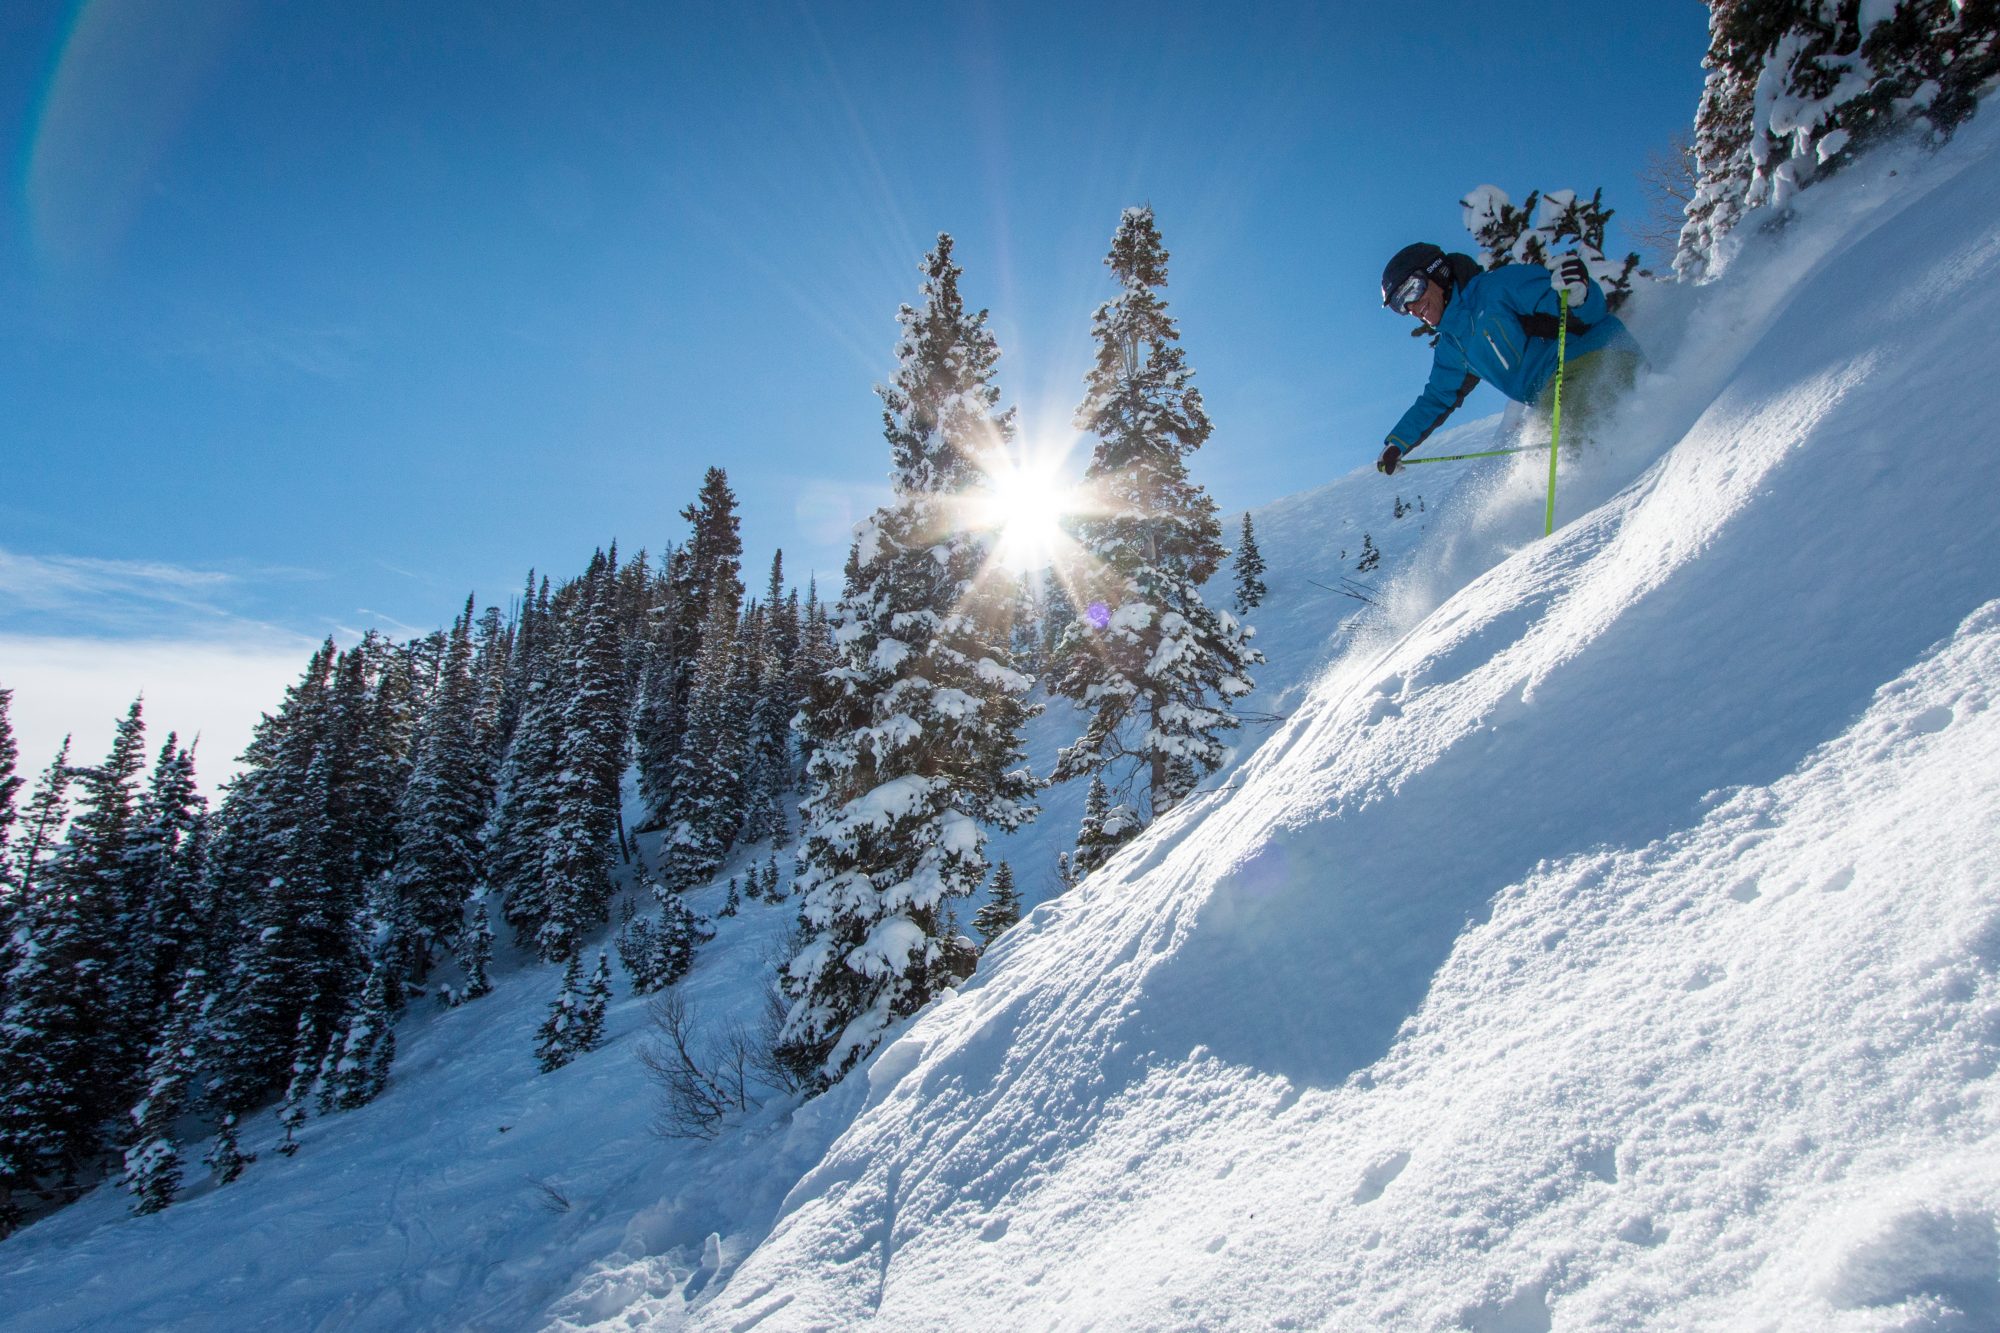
1424,258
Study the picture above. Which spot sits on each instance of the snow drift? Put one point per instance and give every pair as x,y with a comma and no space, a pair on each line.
1615,946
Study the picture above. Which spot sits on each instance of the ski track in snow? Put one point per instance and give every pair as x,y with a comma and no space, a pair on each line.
1603,934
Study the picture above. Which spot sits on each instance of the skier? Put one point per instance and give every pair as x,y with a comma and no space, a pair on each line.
1500,326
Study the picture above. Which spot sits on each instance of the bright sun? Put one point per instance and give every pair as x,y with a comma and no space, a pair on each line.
1025,505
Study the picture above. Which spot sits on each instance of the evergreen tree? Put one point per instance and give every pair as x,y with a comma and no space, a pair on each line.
527,811
679,934
1058,615
1105,828
734,902
771,889
1371,555
1002,910
165,864
1250,588
153,1156
1721,151
768,759
576,861
389,939
306,1061
42,825
10,786
288,864
67,1038
1544,226
1065,876
1156,667
707,571
916,730
706,808
444,805
587,1034
555,1039
475,953
226,1158
1796,88
367,1047
30,1100
639,950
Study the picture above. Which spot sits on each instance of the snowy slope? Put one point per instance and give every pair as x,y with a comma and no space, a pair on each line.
1604,936
420,1211
1613,945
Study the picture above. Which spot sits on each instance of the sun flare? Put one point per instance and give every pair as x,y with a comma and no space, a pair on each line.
1025,506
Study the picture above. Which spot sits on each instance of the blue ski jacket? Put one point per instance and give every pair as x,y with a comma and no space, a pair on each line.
1500,326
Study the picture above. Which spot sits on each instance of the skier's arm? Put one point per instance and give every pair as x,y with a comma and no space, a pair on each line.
1536,304
1446,389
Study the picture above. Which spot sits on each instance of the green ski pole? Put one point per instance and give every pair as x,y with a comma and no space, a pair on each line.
1556,411
1488,453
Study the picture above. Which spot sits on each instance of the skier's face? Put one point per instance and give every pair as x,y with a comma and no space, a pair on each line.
1430,306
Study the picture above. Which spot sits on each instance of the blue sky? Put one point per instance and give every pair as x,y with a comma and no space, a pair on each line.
317,317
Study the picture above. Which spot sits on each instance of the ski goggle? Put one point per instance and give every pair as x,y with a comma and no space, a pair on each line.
1407,293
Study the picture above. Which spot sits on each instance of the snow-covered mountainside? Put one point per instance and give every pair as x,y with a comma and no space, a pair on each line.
1601,933
1613,945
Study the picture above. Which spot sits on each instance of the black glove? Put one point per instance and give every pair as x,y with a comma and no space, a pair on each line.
1391,456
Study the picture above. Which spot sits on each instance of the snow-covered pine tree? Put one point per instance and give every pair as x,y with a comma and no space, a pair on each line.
1371,555
917,728
366,1049
226,1158
444,806
165,864
41,824
1002,909
475,954
25,1065
1721,150
1104,829
705,809
153,1151
734,902
295,834
769,764
587,1032
527,809
771,889
306,1061
576,860
815,659
388,936
659,711
1250,587
554,1039
1156,666
521,668
69,1053
708,568
639,951
1797,88
1065,876
1546,225
10,786
678,934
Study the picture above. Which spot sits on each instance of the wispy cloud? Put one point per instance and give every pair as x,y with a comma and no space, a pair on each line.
63,594
242,345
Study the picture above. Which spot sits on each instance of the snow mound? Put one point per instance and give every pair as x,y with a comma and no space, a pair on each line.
1606,939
